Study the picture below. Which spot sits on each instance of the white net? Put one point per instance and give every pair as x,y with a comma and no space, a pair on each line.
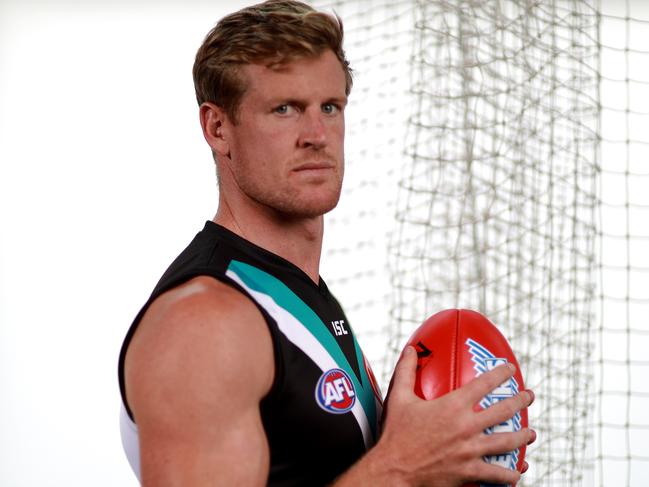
622,383
497,212
378,42
506,172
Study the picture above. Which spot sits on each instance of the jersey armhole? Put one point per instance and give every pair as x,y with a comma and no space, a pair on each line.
270,323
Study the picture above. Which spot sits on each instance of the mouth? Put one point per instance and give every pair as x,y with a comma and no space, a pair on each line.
314,166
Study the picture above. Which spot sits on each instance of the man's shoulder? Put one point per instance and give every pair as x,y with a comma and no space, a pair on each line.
202,307
202,325
201,298
200,361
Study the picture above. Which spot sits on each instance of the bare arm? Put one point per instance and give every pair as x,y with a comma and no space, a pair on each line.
198,431
441,442
196,370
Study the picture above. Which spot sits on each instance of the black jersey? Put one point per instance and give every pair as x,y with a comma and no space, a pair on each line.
323,410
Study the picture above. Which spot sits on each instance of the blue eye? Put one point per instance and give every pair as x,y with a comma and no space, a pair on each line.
329,108
282,109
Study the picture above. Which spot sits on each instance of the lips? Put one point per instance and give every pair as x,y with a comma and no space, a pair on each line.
314,166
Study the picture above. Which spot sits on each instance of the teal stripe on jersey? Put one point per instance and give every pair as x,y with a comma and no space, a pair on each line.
263,282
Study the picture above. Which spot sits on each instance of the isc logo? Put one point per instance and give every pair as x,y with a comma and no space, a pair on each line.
335,392
339,327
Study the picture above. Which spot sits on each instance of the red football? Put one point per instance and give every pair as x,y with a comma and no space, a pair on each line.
453,348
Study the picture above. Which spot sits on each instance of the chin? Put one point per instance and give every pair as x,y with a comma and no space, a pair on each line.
311,210
309,207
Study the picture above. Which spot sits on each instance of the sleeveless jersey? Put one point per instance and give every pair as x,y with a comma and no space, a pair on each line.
323,410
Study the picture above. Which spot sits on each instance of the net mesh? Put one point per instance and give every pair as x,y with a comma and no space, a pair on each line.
378,41
622,380
498,210
506,172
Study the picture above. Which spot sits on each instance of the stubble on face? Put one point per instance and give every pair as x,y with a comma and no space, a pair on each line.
305,193
291,164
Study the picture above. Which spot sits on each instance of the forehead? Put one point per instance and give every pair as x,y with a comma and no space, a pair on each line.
320,76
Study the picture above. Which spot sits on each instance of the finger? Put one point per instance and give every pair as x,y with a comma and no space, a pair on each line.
531,393
499,443
525,466
488,473
504,410
487,382
404,374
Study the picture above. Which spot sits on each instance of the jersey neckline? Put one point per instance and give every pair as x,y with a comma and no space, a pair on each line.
241,242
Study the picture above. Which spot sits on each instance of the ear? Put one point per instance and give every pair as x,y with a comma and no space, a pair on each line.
213,122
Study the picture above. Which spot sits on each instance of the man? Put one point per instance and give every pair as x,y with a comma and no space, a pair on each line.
241,369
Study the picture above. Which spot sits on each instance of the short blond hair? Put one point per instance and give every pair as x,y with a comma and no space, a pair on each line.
270,33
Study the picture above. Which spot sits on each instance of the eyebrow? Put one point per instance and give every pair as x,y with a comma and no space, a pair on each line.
296,101
340,101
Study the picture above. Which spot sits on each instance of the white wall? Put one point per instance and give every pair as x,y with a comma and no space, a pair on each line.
104,177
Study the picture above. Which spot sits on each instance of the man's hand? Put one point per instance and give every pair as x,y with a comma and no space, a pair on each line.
441,442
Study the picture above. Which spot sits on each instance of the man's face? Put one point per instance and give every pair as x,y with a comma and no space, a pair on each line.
287,148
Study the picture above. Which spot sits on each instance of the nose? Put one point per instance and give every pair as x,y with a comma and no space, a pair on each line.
313,132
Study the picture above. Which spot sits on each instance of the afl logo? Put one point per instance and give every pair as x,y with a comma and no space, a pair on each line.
335,392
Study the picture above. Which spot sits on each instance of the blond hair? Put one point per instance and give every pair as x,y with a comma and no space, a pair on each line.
270,33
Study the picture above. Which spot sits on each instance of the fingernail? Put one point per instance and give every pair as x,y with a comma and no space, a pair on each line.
409,350
525,467
532,437
531,394
511,366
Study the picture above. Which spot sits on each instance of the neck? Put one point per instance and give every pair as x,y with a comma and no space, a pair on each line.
298,240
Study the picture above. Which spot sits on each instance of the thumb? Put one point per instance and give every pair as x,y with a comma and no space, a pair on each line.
403,379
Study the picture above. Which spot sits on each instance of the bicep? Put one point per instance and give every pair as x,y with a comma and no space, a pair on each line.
196,370
235,455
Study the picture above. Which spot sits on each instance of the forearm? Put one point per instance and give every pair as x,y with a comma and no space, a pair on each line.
440,442
377,468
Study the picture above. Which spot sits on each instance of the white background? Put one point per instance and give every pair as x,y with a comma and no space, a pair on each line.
104,177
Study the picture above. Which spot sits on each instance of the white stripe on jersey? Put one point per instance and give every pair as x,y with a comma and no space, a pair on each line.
130,440
302,338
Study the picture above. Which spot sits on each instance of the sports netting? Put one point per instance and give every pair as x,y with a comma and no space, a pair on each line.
497,160
621,422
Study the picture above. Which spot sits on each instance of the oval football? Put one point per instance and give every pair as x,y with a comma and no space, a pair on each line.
453,348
